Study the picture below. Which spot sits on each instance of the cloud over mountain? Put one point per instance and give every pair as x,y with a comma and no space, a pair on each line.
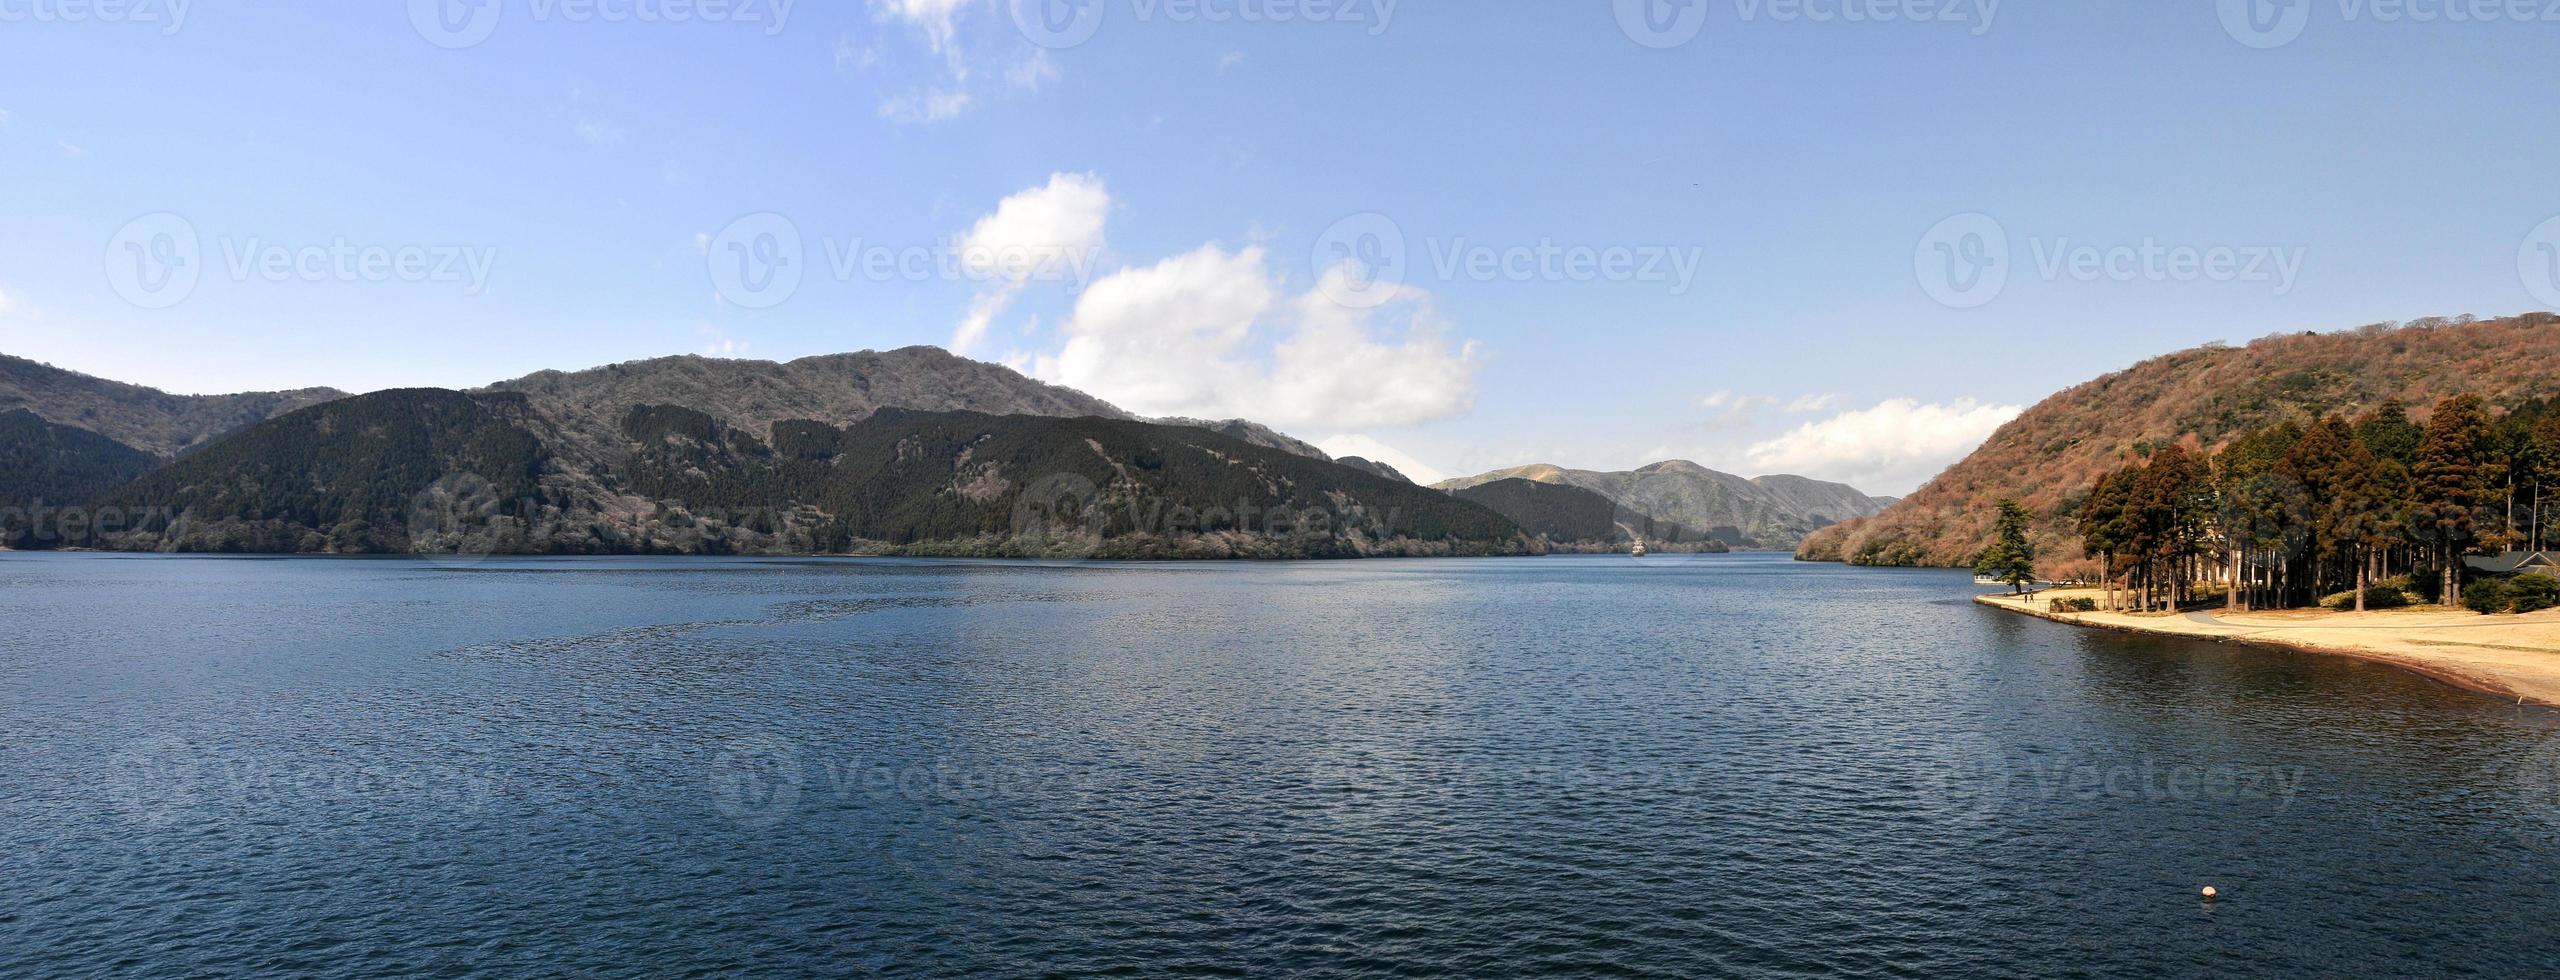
1892,447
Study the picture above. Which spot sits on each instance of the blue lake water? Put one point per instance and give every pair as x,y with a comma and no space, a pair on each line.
1463,768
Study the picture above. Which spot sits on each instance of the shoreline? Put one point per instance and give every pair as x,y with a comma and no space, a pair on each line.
2511,658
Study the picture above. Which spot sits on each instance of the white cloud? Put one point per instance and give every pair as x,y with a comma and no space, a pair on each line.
1891,448
931,105
935,18
720,344
599,133
1729,409
855,56
1047,233
4,118
1230,60
1367,448
4,301
71,149
943,26
1184,337
1029,74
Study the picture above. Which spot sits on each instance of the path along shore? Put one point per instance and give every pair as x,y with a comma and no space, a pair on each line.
2512,657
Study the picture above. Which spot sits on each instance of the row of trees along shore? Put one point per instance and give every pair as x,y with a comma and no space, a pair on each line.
2287,514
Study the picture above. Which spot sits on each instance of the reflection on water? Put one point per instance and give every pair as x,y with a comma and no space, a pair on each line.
1444,768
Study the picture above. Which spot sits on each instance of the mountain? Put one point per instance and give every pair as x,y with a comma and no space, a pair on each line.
145,419
42,463
837,389
1374,467
349,476
444,472
2048,457
1770,512
1572,518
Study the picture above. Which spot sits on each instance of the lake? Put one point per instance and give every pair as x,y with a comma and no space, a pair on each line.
1675,766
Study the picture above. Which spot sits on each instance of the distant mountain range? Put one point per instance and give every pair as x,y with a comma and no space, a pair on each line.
1769,512
2203,397
912,451
1570,518
708,455
144,419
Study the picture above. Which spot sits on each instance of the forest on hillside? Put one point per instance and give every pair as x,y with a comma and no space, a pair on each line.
2377,510
2201,399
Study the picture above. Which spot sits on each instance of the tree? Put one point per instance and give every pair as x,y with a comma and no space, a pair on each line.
2451,483
2010,558
2362,512
2546,474
2390,434
2103,518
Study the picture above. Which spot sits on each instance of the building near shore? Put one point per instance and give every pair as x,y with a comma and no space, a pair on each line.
2513,563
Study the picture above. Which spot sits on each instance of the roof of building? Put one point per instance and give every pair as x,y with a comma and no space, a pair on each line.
2513,561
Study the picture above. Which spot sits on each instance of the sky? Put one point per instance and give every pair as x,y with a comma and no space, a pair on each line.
1842,238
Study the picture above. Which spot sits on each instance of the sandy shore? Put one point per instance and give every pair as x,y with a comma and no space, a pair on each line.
2512,657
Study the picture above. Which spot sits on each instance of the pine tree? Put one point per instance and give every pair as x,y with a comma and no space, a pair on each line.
2010,558
2390,434
2451,484
2546,472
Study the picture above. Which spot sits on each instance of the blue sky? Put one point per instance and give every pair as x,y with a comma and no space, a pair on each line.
1731,244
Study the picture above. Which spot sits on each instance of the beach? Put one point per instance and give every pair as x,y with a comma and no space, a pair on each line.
2505,656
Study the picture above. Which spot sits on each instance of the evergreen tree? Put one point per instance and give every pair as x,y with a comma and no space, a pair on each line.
2546,472
2390,434
2451,483
2010,558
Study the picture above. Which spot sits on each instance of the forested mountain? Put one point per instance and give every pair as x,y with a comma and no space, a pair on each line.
444,472
837,389
1770,512
2202,399
74,438
1572,518
349,476
147,419
44,464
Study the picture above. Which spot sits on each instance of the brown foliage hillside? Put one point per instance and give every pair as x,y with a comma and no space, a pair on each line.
2048,457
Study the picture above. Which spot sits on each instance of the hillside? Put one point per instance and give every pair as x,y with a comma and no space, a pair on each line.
1374,467
350,476
435,471
836,389
1770,512
146,419
47,465
1572,518
2203,397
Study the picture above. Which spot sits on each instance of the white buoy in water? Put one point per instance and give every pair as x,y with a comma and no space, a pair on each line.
2210,894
